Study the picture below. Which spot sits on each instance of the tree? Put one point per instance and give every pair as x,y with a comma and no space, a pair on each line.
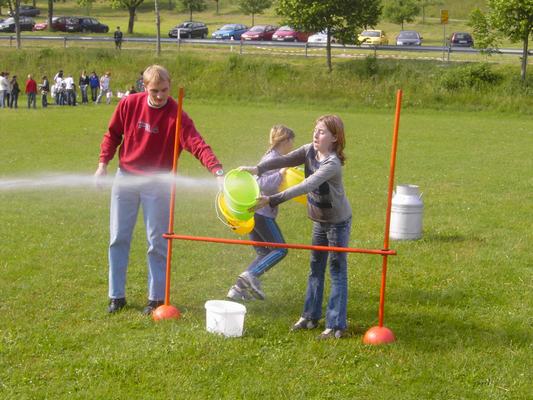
50,14
193,5
254,7
132,6
400,11
511,18
14,7
216,1
342,18
427,3
87,4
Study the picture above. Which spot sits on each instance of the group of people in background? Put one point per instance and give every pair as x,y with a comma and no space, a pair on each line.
62,89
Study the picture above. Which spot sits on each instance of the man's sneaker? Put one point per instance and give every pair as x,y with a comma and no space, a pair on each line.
239,294
304,323
331,334
116,305
250,282
151,306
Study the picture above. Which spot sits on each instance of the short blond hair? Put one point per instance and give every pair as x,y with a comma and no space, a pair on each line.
278,134
155,73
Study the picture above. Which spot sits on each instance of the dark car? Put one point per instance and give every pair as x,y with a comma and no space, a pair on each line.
409,38
189,29
85,25
27,11
8,25
259,32
461,39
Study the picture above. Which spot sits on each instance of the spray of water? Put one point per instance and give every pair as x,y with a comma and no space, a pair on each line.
55,181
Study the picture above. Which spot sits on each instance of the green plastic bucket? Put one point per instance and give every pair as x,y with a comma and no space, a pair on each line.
241,191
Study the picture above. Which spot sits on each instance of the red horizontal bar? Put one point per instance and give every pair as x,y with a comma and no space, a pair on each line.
282,245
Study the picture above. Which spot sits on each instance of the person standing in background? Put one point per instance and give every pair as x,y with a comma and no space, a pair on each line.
4,86
15,90
70,90
118,38
84,85
105,82
31,91
94,84
45,88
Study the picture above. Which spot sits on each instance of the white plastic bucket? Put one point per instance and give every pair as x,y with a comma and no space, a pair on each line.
224,317
406,213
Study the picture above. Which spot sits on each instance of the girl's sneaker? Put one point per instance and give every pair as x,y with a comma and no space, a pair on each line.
239,294
331,334
304,323
250,282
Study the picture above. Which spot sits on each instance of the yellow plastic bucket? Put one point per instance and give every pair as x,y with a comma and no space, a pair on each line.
241,191
292,177
236,225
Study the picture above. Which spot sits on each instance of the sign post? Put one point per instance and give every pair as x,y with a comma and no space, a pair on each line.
443,21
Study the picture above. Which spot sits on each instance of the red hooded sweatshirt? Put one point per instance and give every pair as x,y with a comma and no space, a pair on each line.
146,137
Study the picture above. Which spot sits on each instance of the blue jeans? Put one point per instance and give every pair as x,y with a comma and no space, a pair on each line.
126,197
31,100
338,235
266,230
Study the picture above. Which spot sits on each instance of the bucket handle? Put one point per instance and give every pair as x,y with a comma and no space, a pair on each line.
218,213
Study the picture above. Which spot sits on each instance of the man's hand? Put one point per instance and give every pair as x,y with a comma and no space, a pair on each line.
220,183
101,172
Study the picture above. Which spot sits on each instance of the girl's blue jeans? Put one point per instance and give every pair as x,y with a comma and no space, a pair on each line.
266,230
127,195
326,234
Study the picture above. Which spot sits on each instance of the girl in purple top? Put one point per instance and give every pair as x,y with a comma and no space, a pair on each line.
266,229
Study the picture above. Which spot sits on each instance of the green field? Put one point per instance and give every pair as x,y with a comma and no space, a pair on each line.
459,300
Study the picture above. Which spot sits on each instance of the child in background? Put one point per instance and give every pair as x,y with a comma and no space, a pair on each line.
329,209
266,229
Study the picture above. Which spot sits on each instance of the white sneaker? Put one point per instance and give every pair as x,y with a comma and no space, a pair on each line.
250,282
239,294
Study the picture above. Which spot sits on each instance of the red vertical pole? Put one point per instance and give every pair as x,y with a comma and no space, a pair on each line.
381,334
173,196
389,206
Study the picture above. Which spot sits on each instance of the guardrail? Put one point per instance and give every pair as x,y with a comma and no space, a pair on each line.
445,50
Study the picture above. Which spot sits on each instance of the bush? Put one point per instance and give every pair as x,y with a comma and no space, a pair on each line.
474,76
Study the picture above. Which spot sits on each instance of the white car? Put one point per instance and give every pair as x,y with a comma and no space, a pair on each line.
320,37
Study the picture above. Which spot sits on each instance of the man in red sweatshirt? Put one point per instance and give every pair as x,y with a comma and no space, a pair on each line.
31,91
143,129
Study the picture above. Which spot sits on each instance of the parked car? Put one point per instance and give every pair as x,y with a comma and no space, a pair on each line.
26,11
8,25
85,24
230,31
259,32
461,39
373,37
320,37
409,38
42,26
288,34
189,29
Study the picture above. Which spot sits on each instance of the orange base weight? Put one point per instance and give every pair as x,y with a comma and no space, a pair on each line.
378,335
166,312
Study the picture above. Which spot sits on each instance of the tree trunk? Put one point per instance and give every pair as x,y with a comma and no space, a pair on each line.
523,70
190,13
17,23
158,29
50,14
328,50
253,19
131,19
216,1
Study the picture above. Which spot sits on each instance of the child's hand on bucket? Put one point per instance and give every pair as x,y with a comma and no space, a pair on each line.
252,170
262,201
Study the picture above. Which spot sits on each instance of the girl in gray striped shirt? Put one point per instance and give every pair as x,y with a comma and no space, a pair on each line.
331,214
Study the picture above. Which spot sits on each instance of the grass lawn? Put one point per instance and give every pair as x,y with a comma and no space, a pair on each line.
459,300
